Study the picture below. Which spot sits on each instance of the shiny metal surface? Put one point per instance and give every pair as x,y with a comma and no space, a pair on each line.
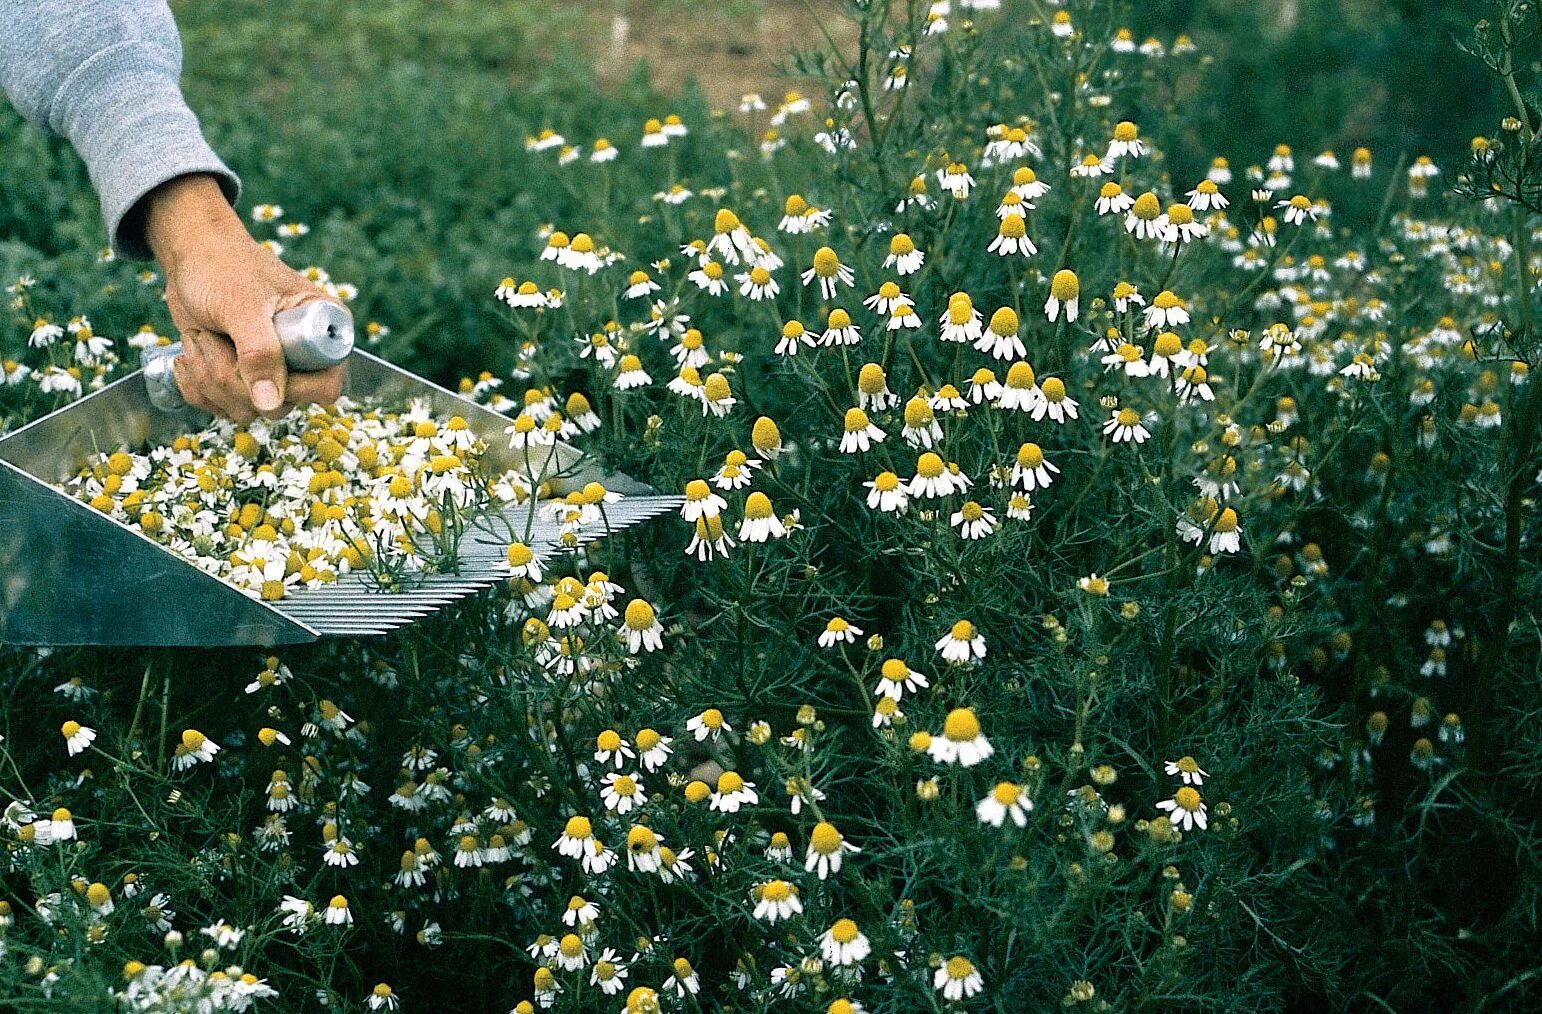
352,608
315,335
70,575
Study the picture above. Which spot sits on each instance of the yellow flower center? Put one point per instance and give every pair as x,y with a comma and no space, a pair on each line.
825,839
1020,376
961,725
1064,286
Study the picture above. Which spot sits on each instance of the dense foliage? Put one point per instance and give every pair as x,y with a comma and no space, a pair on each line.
1097,586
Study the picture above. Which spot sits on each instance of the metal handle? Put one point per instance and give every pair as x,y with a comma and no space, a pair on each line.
315,336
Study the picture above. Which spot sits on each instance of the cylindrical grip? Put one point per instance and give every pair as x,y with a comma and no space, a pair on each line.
315,336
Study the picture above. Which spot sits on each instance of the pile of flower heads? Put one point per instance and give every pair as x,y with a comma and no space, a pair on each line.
273,506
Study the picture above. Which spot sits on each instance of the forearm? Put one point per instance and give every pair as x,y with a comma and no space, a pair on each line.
104,74
187,215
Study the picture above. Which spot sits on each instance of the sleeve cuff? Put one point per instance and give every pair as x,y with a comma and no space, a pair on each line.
123,110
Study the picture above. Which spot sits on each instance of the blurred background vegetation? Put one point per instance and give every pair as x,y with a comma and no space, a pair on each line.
396,128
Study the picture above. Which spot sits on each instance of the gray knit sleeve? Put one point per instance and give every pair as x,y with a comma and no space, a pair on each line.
104,74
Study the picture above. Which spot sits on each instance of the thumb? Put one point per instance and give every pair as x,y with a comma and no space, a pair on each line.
259,360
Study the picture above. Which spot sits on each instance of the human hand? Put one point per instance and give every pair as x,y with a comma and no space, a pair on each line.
223,290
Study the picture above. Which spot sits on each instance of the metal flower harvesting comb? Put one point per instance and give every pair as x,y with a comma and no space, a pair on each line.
71,575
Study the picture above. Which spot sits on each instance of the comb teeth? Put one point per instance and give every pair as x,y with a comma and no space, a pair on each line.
353,607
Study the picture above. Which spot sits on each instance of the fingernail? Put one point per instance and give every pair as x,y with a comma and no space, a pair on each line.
265,396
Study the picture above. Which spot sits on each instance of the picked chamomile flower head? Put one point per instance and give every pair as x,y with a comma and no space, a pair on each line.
273,507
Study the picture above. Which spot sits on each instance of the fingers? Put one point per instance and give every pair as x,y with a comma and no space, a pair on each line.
321,388
209,374
206,375
259,360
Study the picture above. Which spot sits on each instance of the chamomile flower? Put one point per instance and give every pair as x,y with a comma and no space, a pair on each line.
1000,338
794,335
732,793
776,900
829,271
1020,392
839,631
710,278
1012,238
1145,220
1166,311
897,679
1112,200
710,539
904,257
1186,809
1206,196
844,944
962,322
1007,799
1193,382
859,434
1032,470
1179,226
737,470
701,502
902,315
873,389
77,737
1064,290
1091,167
955,179
888,493
730,240
520,561
1188,769
622,793
757,284
760,521
921,428
973,521
799,217
642,629
1125,425
827,849
963,644
1126,142
1027,185
194,748
1226,536
708,725
1128,359
338,913
983,387
654,749
957,979
1298,209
